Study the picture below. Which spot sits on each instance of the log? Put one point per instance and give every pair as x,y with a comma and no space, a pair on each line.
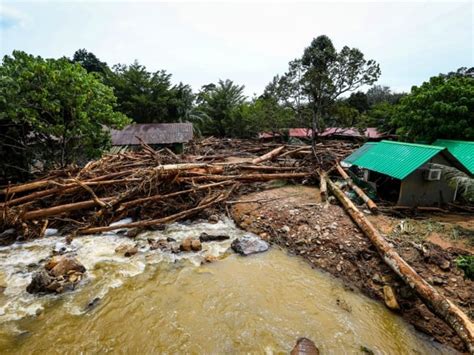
56,210
323,190
140,201
270,155
154,222
246,177
25,187
436,302
371,204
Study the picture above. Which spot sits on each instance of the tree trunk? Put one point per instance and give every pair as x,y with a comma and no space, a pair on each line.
436,302
371,204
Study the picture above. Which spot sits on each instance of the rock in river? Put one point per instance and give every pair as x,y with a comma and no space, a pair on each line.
304,346
204,237
249,244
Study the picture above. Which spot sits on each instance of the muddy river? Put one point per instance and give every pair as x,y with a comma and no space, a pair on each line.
156,302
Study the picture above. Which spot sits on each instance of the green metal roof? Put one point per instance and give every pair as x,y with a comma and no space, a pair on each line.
359,152
395,159
462,150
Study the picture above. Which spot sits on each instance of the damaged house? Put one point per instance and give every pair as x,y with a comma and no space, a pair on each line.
156,135
406,173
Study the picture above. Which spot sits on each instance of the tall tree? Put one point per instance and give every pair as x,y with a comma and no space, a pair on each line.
51,112
90,62
378,94
358,100
443,107
219,103
327,74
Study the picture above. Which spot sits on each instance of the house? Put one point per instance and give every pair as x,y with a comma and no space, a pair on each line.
462,150
405,173
370,133
157,135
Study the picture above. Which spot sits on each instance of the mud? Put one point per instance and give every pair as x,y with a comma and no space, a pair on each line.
324,235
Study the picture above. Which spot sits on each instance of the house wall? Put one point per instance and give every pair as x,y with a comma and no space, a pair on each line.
416,191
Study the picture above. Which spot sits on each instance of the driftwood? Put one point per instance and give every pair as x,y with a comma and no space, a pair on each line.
371,204
270,155
436,302
323,190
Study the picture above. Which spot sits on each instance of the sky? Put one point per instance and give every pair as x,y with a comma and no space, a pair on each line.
247,42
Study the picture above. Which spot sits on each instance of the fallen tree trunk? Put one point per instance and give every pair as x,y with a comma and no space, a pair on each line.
246,177
371,204
270,155
154,222
323,190
436,302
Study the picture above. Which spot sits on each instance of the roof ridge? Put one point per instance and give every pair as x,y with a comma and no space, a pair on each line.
454,140
415,145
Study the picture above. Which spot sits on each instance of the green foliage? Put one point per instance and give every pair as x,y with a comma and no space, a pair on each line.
52,112
440,108
221,105
466,263
149,97
321,76
358,100
90,62
380,115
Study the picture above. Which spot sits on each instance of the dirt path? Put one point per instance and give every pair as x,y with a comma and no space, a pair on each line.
324,235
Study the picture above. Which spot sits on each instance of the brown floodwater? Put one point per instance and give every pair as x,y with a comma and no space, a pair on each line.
155,303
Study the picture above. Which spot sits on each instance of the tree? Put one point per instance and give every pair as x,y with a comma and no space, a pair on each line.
378,93
440,108
51,112
149,97
219,103
90,62
358,101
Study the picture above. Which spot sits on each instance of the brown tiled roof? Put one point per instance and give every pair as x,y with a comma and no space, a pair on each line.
153,133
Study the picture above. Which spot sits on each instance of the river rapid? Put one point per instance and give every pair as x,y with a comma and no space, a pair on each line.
158,302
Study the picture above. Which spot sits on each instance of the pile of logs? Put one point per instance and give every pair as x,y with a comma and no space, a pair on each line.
152,187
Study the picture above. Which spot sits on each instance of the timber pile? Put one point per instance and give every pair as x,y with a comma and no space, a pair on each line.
152,187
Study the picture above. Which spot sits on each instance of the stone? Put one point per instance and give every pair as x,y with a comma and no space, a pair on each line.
52,262
39,282
444,265
304,346
132,233
60,248
196,245
285,229
126,249
161,244
249,244
131,251
390,299
204,237
186,244
210,258
66,264
213,219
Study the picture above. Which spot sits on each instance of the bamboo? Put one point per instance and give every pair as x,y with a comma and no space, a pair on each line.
436,302
371,204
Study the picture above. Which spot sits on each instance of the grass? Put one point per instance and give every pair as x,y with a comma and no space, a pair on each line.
466,263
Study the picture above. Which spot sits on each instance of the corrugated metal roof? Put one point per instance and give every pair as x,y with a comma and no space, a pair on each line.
462,150
358,153
396,159
153,133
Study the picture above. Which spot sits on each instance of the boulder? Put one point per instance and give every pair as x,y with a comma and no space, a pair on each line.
196,245
304,346
249,244
213,219
65,265
186,244
204,237
161,244
41,280
127,249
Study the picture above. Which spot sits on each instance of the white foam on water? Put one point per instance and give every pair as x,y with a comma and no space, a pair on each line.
106,269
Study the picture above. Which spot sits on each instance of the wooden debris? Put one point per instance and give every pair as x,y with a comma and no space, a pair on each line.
435,301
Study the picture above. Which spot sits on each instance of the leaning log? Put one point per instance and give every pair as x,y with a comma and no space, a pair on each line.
270,155
323,190
371,204
436,302
245,177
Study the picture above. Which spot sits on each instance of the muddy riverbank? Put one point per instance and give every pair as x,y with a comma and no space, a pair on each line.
159,301
325,236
